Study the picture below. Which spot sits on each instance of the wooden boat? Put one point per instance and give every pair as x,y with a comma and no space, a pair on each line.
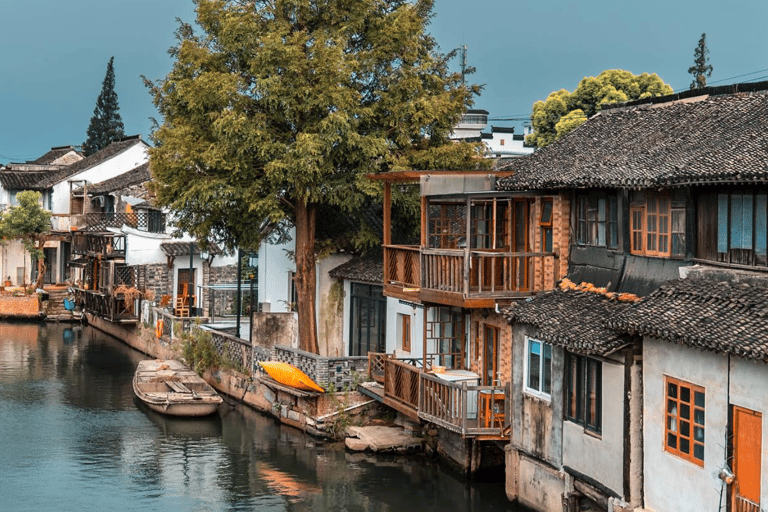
170,387
289,375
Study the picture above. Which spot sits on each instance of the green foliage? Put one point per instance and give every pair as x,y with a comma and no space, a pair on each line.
565,111
198,349
701,68
106,124
280,103
28,222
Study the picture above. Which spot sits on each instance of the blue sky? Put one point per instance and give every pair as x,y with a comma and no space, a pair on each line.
54,54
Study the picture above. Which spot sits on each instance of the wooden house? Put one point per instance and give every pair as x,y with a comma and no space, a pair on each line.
705,349
479,250
657,186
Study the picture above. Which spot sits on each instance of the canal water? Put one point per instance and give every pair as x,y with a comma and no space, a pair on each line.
73,438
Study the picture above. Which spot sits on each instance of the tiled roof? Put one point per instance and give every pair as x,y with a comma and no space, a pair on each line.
571,319
95,159
22,180
182,248
706,139
53,154
363,269
135,176
720,316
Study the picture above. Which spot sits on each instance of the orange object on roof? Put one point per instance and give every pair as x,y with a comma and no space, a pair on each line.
289,375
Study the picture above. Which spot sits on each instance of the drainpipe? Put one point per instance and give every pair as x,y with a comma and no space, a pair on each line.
636,433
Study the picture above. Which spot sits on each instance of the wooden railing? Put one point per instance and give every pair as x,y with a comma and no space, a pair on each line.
487,273
376,366
114,308
742,504
90,243
401,382
402,265
466,409
153,222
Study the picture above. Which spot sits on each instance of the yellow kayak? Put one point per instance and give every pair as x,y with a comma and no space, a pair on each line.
289,375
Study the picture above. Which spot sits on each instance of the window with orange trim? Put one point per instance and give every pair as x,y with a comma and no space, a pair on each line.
684,408
657,224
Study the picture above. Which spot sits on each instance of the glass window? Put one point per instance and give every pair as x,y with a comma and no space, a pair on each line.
584,391
657,224
538,379
597,220
684,420
546,225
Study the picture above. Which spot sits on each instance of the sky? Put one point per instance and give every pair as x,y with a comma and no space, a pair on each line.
54,54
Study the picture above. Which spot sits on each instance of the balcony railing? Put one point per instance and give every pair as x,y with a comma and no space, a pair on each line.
462,407
470,274
402,265
152,222
114,308
469,410
112,245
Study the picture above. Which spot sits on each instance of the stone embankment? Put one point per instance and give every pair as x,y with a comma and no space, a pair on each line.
323,415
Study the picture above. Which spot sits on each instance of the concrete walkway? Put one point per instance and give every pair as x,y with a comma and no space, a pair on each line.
381,439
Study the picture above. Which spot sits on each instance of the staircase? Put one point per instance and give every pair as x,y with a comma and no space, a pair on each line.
55,312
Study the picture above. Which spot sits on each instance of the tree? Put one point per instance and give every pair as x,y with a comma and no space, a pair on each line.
701,69
279,107
106,124
565,111
31,224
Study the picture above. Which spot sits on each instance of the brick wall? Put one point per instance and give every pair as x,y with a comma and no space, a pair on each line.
223,301
159,280
553,269
477,346
25,306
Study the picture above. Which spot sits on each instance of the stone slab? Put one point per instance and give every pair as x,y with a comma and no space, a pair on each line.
382,439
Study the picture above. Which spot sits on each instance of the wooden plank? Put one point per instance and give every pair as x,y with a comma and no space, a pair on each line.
177,386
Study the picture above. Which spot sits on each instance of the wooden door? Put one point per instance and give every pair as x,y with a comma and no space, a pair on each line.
747,439
491,355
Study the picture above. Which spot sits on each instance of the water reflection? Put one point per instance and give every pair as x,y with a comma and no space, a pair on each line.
74,438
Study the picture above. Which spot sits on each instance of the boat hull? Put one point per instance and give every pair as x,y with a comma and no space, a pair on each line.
169,387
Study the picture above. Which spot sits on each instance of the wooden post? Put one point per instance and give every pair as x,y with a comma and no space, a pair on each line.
387,228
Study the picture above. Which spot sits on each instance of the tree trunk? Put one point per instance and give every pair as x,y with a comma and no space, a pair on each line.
305,280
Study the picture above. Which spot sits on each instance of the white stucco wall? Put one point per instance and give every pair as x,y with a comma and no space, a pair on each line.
394,342
130,158
275,267
601,456
330,320
143,248
670,481
14,256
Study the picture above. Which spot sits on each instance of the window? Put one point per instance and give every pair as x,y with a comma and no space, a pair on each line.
405,331
584,391
368,313
597,220
741,232
545,222
657,224
538,368
684,420
447,225
445,337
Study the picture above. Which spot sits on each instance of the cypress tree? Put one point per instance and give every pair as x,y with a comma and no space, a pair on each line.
106,124
701,68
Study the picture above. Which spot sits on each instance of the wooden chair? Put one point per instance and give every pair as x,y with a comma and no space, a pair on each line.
182,308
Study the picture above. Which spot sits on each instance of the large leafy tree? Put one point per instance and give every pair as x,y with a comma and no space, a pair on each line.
30,223
106,124
701,69
564,111
278,107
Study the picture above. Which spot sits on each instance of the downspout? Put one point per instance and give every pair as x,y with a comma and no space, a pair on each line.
636,432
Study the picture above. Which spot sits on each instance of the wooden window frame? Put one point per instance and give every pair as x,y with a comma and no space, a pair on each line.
546,225
580,381
651,226
675,419
405,333
597,220
543,371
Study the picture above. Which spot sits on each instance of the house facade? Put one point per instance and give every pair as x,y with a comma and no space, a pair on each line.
658,189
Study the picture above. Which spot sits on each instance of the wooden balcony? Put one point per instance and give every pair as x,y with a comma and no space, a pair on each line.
466,278
110,245
115,308
467,409
151,222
